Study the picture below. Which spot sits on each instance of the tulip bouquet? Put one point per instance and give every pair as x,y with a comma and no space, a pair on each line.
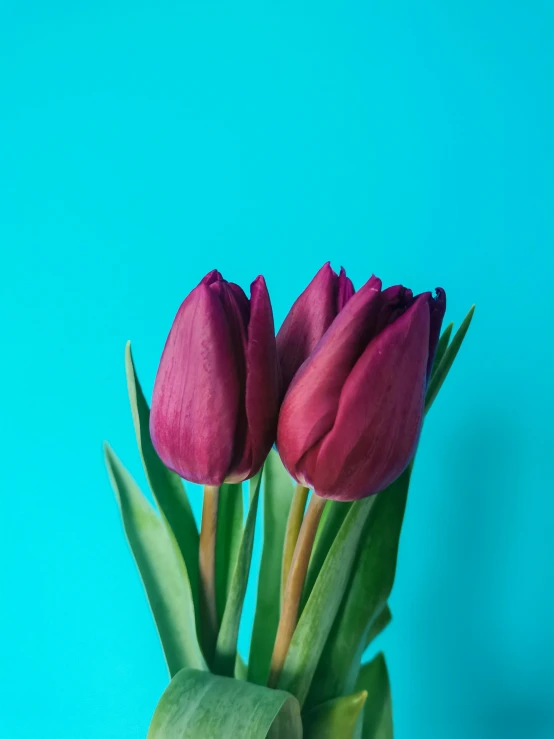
323,421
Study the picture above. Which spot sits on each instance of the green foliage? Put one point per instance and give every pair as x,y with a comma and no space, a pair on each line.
366,595
163,572
226,647
377,716
229,535
167,487
317,617
197,705
335,718
441,370
278,491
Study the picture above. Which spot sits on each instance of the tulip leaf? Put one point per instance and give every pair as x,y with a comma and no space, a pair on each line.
163,573
366,595
319,613
377,718
378,624
226,647
442,346
335,718
241,668
335,513
229,534
439,375
198,705
278,491
167,487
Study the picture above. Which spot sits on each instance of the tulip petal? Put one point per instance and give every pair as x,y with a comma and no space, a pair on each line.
379,415
309,408
262,384
213,276
307,321
196,393
345,290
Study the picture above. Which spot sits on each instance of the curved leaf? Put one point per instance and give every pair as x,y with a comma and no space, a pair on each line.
317,618
377,718
442,369
278,491
367,594
442,346
226,647
378,624
167,487
229,534
197,705
335,718
163,573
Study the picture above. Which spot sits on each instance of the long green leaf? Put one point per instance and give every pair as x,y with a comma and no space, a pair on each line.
163,573
378,624
319,613
377,718
167,487
229,534
335,513
442,346
335,718
278,490
226,647
197,705
366,595
442,370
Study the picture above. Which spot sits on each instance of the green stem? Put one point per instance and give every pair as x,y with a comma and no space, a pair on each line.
294,522
207,569
293,589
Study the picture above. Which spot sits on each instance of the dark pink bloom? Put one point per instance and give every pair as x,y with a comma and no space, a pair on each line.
351,419
215,401
309,318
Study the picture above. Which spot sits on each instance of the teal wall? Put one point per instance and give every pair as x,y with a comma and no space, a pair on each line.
142,144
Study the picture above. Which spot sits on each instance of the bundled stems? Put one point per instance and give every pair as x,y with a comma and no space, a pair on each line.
294,586
294,522
207,567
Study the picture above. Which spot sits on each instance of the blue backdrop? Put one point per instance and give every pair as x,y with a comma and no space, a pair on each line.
142,144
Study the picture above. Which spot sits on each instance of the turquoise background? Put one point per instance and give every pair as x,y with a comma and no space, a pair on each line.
142,144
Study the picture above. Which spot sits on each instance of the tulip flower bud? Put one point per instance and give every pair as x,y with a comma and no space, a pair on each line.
309,318
215,400
351,418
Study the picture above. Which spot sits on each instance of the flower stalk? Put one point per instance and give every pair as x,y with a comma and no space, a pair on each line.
294,587
208,532
294,523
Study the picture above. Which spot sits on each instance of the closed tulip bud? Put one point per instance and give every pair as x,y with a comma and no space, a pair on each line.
215,401
309,318
351,419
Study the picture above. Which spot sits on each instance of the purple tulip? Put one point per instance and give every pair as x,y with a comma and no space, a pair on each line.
309,318
352,415
215,402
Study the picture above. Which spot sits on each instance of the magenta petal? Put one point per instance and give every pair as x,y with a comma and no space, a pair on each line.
345,290
380,413
262,385
307,321
196,393
309,408
213,276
